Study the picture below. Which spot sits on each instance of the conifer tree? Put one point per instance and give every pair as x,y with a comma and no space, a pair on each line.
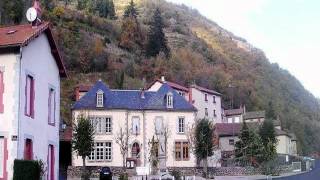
269,140
111,10
131,10
157,41
103,8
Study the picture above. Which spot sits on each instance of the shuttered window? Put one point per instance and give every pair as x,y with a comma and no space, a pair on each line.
51,106
181,151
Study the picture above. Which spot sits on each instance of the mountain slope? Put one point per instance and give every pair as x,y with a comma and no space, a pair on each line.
201,52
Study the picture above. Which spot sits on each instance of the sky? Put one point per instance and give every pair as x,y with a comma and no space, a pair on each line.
288,31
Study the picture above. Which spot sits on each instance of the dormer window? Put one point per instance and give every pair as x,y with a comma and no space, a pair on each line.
100,98
169,100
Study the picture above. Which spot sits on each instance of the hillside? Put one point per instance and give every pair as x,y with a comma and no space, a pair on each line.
201,52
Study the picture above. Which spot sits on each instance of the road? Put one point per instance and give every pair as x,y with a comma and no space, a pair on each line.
312,175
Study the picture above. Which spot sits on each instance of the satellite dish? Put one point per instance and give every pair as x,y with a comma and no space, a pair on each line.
31,14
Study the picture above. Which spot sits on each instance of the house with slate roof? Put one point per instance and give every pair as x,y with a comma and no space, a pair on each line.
30,72
208,102
144,115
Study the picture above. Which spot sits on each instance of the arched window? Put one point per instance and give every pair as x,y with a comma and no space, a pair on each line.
135,151
169,100
100,98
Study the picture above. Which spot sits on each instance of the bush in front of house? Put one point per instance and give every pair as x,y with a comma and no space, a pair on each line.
26,170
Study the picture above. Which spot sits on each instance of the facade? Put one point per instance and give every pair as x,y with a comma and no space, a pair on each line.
144,115
240,115
234,115
30,71
207,102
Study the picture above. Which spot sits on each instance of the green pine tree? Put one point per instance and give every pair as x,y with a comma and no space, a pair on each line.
204,141
111,10
131,10
269,140
103,8
157,41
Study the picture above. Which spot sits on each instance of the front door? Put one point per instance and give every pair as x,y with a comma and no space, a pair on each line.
135,153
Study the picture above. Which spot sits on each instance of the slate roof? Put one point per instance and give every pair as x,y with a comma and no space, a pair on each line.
132,99
20,35
254,115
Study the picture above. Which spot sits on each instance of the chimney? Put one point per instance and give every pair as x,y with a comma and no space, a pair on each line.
37,6
163,79
142,94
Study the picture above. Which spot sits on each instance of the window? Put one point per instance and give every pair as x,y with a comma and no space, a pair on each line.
51,106
214,99
29,96
206,112
51,162
102,151
231,141
214,113
237,119
182,151
158,124
28,152
169,100
100,98
206,97
1,92
181,93
181,125
101,125
230,120
135,125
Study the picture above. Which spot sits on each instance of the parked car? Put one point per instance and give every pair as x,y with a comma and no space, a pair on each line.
105,173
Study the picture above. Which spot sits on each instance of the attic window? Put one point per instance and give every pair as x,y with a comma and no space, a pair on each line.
100,98
11,31
169,100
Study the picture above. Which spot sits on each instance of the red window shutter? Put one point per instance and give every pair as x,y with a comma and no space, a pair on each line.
32,98
28,151
25,97
51,162
1,92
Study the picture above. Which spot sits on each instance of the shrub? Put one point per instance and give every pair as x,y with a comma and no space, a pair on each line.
123,176
176,174
25,170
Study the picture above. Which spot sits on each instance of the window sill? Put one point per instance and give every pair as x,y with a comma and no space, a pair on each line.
52,124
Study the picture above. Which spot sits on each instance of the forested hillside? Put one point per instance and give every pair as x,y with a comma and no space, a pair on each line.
123,44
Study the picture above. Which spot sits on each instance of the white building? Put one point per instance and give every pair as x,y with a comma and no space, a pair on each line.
208,102
143,114
30,71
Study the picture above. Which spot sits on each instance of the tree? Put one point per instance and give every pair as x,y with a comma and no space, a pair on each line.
131,36
269,140
122,139
249,148
111,9
12,11
48,4
131,10
82,141
82,4
157,41
204,142
102,7
153,153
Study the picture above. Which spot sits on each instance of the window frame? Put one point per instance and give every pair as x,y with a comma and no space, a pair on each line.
137,132
28,149
183,125
182,151
231,142
50,114
169,101
214,99
206,113
104,148
30,112
206,97
100,99
99,124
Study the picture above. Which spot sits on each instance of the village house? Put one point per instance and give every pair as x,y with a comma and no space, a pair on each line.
144,115
208,102
30,72
228,135
239,115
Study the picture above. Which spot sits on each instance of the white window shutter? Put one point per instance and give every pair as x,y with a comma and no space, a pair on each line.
177,125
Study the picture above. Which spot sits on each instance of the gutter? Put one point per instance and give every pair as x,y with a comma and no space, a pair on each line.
19,103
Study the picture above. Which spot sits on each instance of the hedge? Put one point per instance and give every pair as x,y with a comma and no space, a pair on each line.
26,170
